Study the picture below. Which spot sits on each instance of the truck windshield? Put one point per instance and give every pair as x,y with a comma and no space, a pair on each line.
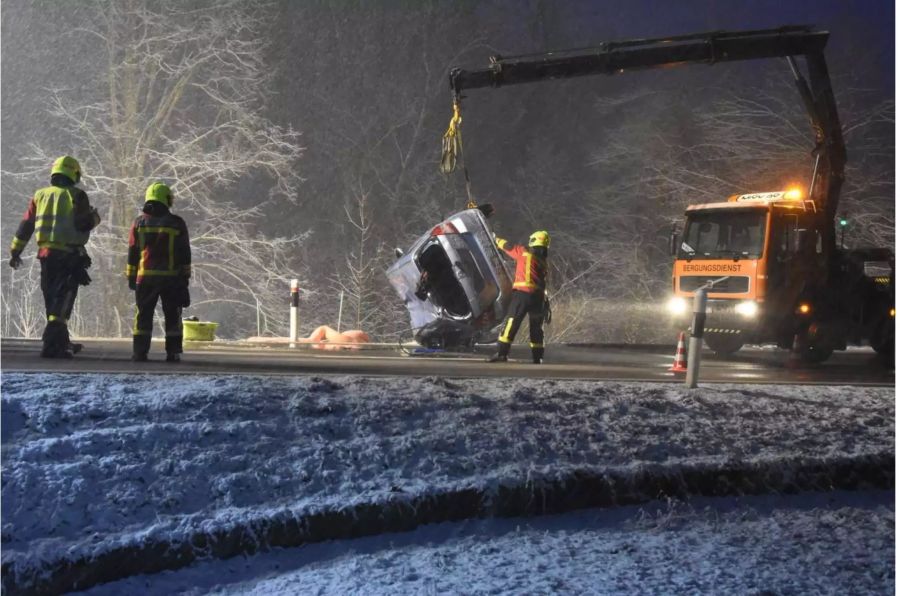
723,235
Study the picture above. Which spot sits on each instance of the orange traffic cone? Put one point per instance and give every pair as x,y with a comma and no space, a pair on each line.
680,364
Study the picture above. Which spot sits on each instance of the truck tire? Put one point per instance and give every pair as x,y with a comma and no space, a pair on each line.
814,354
724,344
817,346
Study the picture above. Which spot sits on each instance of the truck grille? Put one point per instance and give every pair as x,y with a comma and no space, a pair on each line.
732,285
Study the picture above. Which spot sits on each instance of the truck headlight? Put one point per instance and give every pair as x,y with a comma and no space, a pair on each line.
677,305
747,308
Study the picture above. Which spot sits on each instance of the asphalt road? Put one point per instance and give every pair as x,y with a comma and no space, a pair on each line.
632,363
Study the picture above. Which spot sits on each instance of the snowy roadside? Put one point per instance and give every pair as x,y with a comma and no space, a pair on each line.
813,543
92,463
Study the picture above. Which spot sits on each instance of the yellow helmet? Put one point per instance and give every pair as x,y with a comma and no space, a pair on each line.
539,238
159,192
67,166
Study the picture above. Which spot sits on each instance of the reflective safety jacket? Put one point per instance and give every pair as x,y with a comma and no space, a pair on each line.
159,250
531,269
61,219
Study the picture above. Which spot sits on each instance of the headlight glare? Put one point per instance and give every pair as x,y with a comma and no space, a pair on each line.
677,305
748,308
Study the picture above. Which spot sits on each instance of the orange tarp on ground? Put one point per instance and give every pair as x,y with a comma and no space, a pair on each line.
326,338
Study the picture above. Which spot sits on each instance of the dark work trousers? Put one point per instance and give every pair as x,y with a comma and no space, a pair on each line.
146,296
522,304
59,284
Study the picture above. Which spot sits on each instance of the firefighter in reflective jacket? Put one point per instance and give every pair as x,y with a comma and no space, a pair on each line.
528,297
61,218
159,267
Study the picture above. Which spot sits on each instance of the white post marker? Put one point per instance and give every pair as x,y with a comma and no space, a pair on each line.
340,311
258,320
295,302
695,344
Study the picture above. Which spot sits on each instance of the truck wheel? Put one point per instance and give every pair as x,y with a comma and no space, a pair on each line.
816,347
724,344
814,354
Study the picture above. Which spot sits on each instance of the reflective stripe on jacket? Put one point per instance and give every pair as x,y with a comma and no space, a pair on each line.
158,247
61,214
54,221
51,218
531,270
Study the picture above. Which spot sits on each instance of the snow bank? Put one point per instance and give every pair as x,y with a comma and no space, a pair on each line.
823,543
94,463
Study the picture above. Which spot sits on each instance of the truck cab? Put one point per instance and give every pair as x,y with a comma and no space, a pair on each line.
773,282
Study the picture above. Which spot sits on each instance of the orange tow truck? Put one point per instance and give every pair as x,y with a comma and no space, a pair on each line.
787,279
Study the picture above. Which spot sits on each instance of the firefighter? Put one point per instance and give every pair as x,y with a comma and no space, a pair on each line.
61,218
528,297
158,268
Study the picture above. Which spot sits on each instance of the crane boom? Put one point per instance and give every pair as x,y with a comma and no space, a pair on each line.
702,48
619,56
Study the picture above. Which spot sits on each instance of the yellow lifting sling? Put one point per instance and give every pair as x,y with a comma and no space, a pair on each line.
451,147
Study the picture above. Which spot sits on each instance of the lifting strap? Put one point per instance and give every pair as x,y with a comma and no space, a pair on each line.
451,146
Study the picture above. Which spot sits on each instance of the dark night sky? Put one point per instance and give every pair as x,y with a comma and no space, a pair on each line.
865,26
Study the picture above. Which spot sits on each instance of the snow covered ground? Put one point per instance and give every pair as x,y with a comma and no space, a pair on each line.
834,543
96,463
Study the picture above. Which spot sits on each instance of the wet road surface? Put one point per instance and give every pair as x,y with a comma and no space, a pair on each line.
857,366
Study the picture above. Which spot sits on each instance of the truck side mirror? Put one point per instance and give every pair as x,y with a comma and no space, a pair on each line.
673,241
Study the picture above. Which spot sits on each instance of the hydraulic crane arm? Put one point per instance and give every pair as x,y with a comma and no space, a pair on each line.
619,56
702,48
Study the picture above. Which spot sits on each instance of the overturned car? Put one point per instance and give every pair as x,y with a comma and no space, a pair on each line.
454,282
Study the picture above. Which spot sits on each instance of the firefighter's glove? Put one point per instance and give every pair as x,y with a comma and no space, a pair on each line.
183,296
548,312
15,261
132,283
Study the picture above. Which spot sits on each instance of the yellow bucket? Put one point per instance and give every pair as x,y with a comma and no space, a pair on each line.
199,330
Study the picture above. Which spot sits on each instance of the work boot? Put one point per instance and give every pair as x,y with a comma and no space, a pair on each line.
140,347
56,341
502,352
173,357
537,355
75,347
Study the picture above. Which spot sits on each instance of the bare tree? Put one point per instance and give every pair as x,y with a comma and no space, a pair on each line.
22,305
358,279
180,95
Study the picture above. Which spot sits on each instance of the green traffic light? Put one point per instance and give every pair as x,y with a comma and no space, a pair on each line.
843,222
